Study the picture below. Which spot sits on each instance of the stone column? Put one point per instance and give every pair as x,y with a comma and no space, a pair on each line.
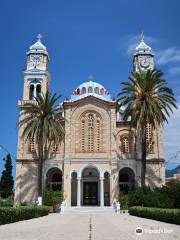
102,191
78,191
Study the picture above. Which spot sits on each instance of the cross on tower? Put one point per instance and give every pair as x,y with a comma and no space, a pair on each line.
142,36
39,37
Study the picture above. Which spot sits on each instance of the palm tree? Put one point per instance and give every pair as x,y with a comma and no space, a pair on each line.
43,121
146,99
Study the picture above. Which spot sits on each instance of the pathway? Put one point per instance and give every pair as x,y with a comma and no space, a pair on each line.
88,226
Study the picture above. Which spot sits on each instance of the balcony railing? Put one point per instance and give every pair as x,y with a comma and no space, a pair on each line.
22,102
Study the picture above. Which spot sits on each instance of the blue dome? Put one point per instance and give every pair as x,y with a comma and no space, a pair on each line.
90,88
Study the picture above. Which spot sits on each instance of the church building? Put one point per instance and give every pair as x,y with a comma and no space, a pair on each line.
100,155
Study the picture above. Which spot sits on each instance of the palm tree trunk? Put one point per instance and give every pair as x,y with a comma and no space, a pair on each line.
40,168
143,157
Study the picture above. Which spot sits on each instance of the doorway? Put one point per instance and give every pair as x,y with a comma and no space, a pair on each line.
90,193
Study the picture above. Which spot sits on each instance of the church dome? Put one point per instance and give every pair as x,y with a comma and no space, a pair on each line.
90,88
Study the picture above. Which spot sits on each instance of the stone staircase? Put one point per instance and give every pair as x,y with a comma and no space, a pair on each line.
87,209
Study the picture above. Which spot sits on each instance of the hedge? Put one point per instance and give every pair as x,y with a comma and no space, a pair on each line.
15,214
165,197
160,214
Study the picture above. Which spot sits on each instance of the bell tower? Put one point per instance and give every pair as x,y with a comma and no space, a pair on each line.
143,56
36,75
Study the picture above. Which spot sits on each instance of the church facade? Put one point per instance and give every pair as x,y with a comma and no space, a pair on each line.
100,155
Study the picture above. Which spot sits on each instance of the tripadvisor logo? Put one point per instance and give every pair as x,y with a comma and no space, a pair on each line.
138,231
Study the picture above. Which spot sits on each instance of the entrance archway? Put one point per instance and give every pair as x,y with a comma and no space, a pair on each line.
106,189
126,180
73,189
90,187
54,179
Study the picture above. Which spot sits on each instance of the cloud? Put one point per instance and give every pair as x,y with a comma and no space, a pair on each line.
131,48
169,55
172,138
174,71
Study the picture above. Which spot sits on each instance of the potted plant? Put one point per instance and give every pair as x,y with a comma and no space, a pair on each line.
53,200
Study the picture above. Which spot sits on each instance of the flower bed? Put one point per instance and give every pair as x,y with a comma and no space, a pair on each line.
15,214
160,214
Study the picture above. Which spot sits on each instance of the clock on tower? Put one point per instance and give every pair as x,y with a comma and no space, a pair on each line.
38,56
36,75
143,56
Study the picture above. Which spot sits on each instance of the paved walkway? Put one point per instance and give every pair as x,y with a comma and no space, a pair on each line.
105,226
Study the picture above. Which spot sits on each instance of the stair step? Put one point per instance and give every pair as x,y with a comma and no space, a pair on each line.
88,209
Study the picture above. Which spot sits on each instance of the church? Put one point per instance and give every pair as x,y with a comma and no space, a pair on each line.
100,155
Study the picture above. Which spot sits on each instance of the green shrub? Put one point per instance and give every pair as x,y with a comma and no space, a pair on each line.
164,215
14,214
139,196
51,198
165,197
123,199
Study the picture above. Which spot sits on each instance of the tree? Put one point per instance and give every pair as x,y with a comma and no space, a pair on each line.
7,182
147,99
43,121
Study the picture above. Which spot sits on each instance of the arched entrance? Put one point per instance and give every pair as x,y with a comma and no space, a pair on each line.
73,189
106,189
126,180
90,187
54,179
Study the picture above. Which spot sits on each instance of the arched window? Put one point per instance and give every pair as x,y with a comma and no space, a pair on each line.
83,90
98,135
78,91
54,179
149,137
38,89
125,144
35,89
96,90
126,180
102,91
90,132
83,136
31,92
89,89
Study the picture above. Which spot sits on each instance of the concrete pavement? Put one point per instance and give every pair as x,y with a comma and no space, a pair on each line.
89,226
